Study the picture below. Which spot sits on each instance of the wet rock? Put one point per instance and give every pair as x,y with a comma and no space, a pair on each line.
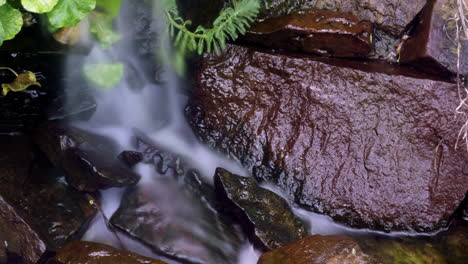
93,253
359,143
176,224
55,212
165,162
79,105
316,31
318,249
390,15
406,250
131,158
430,44
17,239
86,158
265,215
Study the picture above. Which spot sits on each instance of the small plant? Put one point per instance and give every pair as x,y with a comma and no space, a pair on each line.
231,22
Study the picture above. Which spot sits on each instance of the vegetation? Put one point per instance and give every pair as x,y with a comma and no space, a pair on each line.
231,22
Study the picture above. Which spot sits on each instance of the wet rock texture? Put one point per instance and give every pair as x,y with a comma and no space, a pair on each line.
89,160
94,253
369,149
18,242
391,15
188,232
316,31
431,45
264,214
317,250
55,212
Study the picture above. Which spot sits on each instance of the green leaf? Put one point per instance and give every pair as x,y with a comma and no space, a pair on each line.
104,75
112,7
101,27
11,22
2,2
21,83
68,13
39,6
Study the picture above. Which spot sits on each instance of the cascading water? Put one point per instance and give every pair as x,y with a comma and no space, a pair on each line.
157,109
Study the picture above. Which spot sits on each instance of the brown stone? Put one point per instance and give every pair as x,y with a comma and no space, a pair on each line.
317,250
18,240
316,31
93,253
430,45
366,146
390,15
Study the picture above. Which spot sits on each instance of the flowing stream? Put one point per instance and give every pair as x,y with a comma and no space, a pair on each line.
157,110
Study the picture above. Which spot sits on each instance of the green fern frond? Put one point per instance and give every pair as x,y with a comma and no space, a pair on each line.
231,22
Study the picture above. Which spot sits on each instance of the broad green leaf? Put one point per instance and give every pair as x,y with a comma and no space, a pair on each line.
104,75
38,6
68,13
21,83
112,7
2,2
11,22
101,27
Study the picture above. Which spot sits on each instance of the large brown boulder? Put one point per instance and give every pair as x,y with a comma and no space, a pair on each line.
391,15
359,143
317,250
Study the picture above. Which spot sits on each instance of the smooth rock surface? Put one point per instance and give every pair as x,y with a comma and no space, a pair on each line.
318,249
56,212
430,44
89,161
322,32
93,253
391,15
176,224
18,241
265,215
360,144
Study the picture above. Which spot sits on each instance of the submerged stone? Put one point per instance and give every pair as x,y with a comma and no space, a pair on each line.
93,253
88,160
265,215
19,243
131,158
176,224
391,15
316,31
318,249
357,142
430,45
56,212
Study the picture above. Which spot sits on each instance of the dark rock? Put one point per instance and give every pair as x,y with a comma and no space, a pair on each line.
17,239
88,160
391,15
93,253
430,46
165,162
176,224
370,149
316,31
131,158
55,212
456,243
265,215
317,250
